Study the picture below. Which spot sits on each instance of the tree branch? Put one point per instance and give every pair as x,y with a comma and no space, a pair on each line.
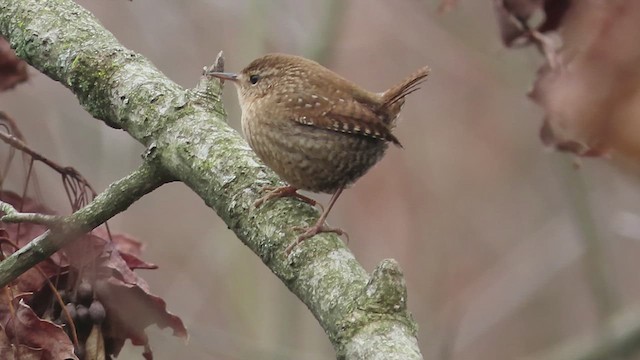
14,216
114,200
188,133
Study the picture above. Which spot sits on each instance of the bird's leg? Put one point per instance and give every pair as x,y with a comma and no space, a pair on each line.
319,227
275,192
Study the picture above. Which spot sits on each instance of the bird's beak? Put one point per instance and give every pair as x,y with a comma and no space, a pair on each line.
224,75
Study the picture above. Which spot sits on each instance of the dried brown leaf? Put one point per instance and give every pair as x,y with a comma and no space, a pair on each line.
106,266
130,250
592,99
130,306
26,328
130,309
9,351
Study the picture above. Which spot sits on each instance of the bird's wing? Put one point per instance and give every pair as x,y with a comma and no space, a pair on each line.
342,115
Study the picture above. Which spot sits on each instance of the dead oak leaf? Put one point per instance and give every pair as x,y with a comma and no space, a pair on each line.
26,328
9,351
130,310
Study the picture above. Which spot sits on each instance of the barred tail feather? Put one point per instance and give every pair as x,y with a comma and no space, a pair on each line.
409,85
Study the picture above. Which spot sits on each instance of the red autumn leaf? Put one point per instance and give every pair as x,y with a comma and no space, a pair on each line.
105,268
126,297
143,308
83,253
9,351
127,244
32,280
130,309
117,268
130,249
135,262
13,70
26,328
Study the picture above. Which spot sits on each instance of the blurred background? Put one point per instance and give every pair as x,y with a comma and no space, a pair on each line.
508,248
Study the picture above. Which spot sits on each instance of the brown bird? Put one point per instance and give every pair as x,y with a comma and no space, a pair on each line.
317,130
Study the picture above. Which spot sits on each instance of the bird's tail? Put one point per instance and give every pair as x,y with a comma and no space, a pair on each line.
393,99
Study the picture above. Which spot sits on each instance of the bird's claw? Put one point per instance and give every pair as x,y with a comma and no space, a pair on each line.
274,192
308,232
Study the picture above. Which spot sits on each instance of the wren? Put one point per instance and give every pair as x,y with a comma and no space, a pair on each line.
317,130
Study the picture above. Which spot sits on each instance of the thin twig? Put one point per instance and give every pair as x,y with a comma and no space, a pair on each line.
14,216
18,144
63,308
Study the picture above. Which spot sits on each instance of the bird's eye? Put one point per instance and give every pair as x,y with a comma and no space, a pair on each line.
253,79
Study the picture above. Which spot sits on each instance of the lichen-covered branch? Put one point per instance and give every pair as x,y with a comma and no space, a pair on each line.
364,317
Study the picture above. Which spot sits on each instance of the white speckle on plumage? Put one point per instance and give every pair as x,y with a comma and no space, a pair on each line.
307,105
318,104
299,100
314,96
341,100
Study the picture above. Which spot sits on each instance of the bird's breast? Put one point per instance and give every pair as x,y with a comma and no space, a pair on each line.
307,157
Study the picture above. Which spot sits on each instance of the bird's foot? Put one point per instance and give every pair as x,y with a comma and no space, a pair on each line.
275,192
308,232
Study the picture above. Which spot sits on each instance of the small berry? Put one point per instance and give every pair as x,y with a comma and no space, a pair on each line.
97,312
85,293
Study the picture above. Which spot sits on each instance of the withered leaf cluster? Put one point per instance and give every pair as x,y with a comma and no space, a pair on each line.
82,303
589,85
